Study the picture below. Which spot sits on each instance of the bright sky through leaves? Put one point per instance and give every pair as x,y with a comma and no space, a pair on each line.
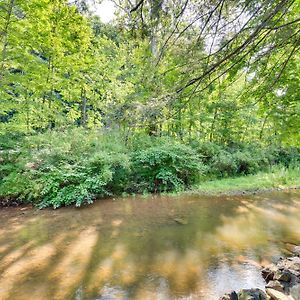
105,11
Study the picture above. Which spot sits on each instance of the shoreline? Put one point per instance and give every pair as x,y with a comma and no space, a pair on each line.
263,182
187,192
241,192
282,281
278,180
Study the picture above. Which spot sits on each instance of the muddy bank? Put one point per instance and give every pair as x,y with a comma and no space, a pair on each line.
282,281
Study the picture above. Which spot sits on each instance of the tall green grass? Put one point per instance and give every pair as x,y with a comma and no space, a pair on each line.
276,177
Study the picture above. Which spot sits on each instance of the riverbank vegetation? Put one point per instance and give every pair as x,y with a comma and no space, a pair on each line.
277,177
169,95
77,166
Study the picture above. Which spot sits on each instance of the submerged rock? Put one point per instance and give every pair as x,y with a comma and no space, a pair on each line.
181,221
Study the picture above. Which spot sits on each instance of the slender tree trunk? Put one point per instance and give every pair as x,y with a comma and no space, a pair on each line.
179,126
27,112
154,16
5,35
263,127
83,108
155,6
191,122
212,128
47,79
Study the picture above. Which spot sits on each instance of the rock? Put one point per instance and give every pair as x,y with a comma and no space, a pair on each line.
181,221
296,250
277,295
289,247
282,275
291,263
230,296
295,292
268,273
252,294
283,282
276,285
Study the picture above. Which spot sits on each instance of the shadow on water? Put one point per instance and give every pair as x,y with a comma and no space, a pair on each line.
186,247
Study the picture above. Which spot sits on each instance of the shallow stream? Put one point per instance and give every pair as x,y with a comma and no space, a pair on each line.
160,247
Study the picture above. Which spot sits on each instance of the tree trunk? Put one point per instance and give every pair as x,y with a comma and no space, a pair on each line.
263,126
212,128
154,17
83,119
5,35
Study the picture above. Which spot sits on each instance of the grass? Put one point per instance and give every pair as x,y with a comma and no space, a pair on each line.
278,177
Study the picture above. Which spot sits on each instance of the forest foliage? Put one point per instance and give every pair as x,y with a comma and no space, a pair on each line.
168,94
77,166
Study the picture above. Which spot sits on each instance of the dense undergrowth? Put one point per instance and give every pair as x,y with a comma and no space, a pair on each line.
76,166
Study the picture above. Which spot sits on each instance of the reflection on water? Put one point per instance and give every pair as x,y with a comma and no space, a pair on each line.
135,248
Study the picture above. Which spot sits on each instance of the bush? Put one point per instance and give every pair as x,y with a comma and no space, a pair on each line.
63,168
59,168
10,141
207,150
285,156
83,182
235,159
223,164
246,163
166,167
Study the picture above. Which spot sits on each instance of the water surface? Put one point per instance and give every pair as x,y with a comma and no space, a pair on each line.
183,247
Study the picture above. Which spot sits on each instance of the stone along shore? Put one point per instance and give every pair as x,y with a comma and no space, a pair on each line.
282,281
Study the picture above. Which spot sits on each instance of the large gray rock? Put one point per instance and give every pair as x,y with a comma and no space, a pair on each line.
277,295
252,294
295,291
276,285
291,263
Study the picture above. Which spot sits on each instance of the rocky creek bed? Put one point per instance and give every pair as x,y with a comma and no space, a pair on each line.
282,281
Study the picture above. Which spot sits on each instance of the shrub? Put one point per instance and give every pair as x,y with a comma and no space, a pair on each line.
223,164
76,166
245,163
166,167
10,140
82,182
63,168
232,160
207,150
285,156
